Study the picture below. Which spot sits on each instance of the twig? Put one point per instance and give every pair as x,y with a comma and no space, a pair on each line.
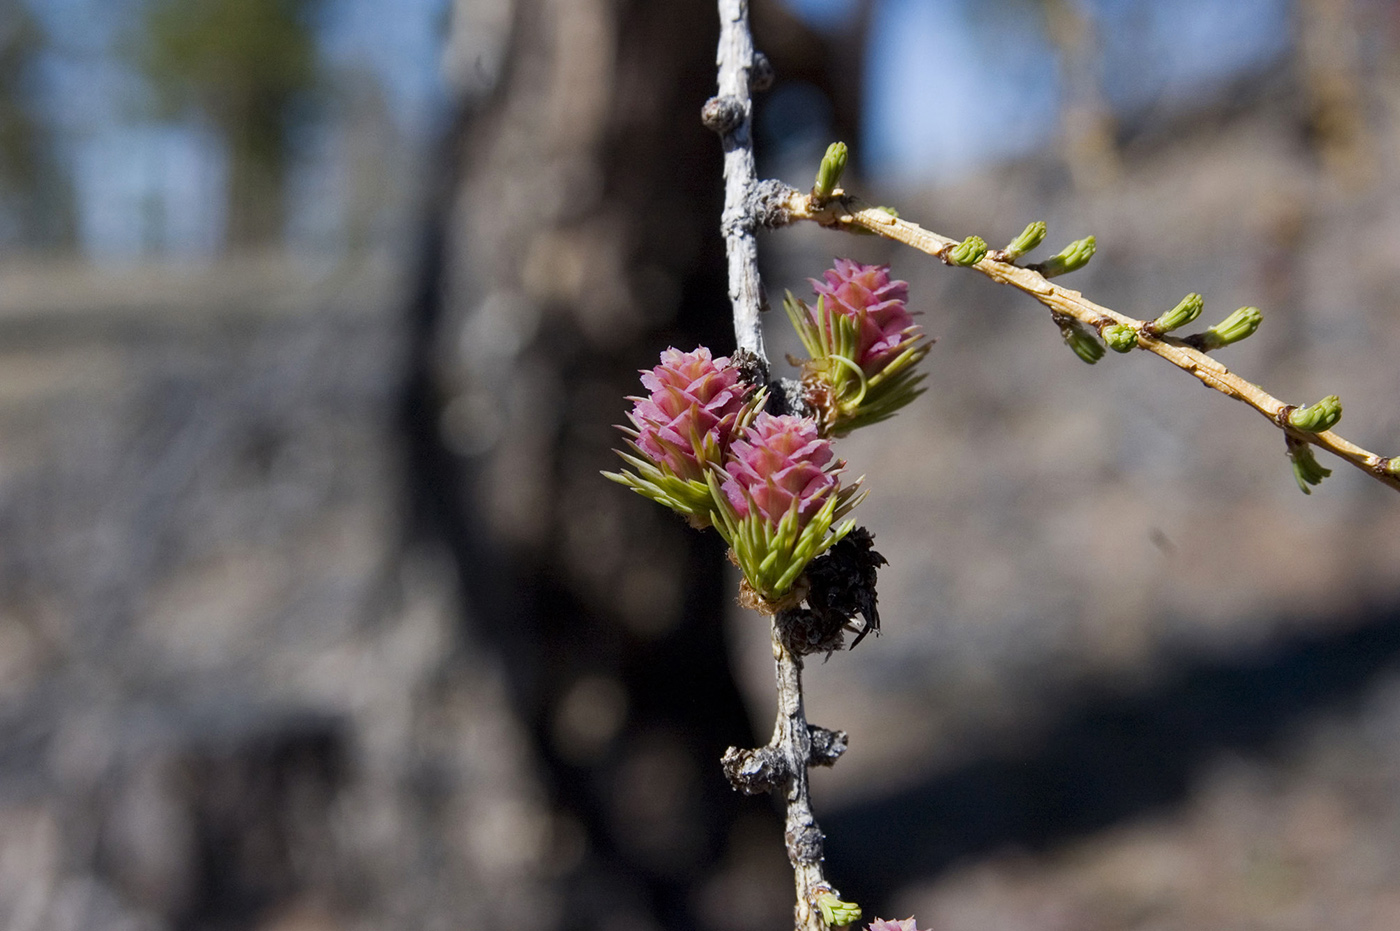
847,212
730,114
783,763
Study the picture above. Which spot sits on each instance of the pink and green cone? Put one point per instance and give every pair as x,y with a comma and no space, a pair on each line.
682,429
779,498
885,924
863,345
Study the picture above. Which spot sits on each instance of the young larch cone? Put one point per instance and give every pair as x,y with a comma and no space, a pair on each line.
682,428
886,924
776,466
778,501
875,302
686,420
863,345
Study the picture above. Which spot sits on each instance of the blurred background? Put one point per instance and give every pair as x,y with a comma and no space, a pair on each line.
315,614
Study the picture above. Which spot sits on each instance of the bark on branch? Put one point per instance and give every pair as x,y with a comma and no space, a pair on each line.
795,745
847,212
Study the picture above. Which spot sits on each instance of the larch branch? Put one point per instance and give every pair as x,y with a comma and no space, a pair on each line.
846,212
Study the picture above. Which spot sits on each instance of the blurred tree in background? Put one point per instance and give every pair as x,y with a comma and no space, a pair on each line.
35,198
245,66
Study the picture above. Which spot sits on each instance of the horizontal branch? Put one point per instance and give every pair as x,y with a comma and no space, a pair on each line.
846,212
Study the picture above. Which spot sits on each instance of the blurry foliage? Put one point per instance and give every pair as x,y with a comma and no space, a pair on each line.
243,65
34,197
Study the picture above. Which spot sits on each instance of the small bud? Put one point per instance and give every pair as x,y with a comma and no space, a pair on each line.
1392,466
1078,339
722,115
1074,256
1120,338
1180,315
829,173
1306,469
1030,237
1239,325
1317,417
835,911
968,252
761,74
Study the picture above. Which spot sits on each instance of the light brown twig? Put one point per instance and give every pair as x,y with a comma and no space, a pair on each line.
846,212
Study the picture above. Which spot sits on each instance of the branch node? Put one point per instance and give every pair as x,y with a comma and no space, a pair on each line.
804,844
752,369
768,204
723,115
789,397
827,746
737,223
754,772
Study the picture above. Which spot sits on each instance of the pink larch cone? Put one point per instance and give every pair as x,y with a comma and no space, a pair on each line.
779,460
868,295
688,417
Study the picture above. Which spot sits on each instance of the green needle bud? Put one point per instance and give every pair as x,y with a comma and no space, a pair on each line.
1318,417
1239,325
968,252
1306,469
835,911
829,174
1120,338
1078,339
1074,256
1030,237
1180,315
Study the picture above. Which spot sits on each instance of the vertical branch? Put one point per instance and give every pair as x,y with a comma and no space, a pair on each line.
783,763
730,114
793,739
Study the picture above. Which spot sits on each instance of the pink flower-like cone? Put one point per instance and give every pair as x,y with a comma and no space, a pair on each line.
777,466
875,302
885,924
779,500
687,418
863,345
682,428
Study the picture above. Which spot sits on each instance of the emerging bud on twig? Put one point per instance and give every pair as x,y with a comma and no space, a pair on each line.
1392,466
968,252
1180,315
1030,237
722,115
1119,338
1073,257
1239,325
835,911
829,172
1078,339
1316,418
761,74
1306,469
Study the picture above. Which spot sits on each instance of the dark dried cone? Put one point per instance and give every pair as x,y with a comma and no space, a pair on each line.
842,585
